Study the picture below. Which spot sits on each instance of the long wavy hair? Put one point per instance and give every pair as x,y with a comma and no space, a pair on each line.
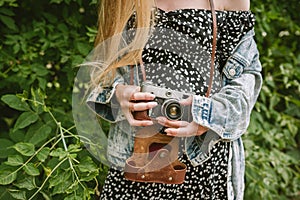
112,21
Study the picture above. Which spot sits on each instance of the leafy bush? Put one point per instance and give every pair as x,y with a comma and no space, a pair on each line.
42,156
273,139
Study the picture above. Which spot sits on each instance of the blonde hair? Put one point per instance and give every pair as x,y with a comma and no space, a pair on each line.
113,18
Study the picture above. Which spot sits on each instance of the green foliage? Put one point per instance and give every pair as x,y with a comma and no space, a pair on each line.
42,156
273,139
54,165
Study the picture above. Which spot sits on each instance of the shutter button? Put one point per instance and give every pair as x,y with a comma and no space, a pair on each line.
232,72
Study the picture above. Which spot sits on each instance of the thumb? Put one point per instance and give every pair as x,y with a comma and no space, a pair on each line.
187,101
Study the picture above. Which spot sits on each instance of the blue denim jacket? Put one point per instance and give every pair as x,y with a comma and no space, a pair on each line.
226,114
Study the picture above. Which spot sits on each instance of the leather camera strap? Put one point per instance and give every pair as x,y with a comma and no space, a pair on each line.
213,54
214,47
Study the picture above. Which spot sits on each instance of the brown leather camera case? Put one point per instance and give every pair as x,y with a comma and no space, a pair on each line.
155,159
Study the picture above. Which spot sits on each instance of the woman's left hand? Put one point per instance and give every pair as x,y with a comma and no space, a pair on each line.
182,128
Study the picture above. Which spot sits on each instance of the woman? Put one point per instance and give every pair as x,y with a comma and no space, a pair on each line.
211,144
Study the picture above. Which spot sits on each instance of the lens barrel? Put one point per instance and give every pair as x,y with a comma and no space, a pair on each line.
172,109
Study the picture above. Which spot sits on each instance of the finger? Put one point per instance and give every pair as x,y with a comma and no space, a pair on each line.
134,122
125,92
131,106
180,132
187,101
187,131
143,106
132,93
201,130
172,124
176,132
142,96
141,123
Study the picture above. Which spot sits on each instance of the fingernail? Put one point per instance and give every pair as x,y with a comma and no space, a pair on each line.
152,96
149,123
153,104
168,133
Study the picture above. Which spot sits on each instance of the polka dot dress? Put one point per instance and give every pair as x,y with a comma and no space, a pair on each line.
177,56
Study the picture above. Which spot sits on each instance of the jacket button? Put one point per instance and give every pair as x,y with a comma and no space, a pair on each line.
232,72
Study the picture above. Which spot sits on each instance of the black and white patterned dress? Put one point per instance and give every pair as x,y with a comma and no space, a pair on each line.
177,56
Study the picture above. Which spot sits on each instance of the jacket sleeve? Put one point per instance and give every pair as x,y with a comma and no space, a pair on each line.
103,102
228,112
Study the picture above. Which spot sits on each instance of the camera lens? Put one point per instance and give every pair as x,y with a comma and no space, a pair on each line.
172,109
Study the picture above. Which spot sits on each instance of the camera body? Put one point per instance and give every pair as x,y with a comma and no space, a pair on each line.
168,103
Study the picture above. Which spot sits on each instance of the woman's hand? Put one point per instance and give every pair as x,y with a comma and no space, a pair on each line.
127,96
182,128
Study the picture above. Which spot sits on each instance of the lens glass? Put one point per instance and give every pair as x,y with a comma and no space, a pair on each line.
172,110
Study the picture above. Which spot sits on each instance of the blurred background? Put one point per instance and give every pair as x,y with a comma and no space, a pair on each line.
42,156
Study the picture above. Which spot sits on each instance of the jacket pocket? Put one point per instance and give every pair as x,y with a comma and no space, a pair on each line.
234,66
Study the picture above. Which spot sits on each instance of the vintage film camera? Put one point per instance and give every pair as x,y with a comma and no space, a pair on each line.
168,104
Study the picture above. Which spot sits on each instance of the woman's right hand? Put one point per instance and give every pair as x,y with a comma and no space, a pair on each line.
131,99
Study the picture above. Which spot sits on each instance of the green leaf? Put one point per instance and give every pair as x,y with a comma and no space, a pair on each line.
74,148
7,177
64,58
89,177
4,193
25,119
60,178
59,152
18,194
42,83
26,149
15,102
31,170
26,183
38,97
11,3
40,70
5,149
9,22
83,48
45,196
76,60
6,11
16,48
43,154
74,197
63,187
14,160
56,1
41,134
87,165
47,170
17,135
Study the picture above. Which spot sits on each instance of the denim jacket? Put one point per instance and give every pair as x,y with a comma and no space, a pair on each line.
226,114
